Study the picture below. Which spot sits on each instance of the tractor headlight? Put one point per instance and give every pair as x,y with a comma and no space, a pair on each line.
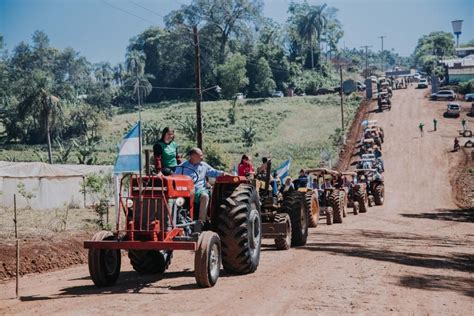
180,201
129,203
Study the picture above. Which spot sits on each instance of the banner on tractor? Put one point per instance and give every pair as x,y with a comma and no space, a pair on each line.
128,160
283,170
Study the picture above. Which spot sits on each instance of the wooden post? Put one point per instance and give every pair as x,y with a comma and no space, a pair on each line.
342,109
17,247
197,66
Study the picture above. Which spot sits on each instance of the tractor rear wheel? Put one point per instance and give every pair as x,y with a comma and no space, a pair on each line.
361,197
379,193
207,259
294,205
329,215
335,202
150,261
239,226
104,264
283,243
312,208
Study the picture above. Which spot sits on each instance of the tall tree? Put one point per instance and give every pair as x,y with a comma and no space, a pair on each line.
310,22
233,75
224,17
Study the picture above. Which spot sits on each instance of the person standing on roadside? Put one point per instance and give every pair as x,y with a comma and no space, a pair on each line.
421,128
435,123
463,123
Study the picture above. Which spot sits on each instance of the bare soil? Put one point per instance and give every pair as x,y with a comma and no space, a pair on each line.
413,255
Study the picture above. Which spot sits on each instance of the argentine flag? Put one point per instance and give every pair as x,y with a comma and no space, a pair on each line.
283,170
128,159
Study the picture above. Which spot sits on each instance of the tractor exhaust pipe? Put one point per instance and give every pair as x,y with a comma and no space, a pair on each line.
147,162
267,175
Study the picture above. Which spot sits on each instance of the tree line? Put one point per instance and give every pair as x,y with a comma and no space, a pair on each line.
48,95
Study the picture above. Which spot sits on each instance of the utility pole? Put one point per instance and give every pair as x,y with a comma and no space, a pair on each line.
366,60
197,65
342,108
381,52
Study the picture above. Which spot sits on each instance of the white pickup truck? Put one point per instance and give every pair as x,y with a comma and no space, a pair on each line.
453,109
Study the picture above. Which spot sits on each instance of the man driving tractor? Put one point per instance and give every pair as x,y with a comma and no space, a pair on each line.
196,167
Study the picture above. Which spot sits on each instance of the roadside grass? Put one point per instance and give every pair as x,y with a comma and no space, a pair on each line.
46,223
297,127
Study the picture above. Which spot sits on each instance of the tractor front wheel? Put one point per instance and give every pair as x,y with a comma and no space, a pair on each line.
150,261
355,208
283,243
335,201
329,215
294,206
207,259
361,196
379,194
104,264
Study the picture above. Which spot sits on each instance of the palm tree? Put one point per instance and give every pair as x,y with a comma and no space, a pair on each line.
118,74
45,108
310,21
135,65
103,72
135,62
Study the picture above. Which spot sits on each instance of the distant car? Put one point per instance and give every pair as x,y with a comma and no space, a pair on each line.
239,96
469,97
444,94
423,83
453,109
417,76
361,86
277,94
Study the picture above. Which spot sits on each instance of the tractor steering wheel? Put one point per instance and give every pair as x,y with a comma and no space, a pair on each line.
195,179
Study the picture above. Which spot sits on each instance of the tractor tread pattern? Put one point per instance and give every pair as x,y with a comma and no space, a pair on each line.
232,219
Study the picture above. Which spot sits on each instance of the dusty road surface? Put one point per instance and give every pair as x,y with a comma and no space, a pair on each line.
414,255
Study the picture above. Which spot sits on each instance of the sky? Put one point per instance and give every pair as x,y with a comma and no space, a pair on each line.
101,29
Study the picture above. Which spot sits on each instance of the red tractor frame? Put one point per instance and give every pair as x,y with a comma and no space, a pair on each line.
157,216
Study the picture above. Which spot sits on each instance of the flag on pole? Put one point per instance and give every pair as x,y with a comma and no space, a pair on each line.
283,170
128,159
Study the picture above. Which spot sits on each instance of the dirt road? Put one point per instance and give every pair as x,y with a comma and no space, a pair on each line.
414,255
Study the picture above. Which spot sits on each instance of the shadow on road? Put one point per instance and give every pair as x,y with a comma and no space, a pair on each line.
456,215
439,283
380,245
129,282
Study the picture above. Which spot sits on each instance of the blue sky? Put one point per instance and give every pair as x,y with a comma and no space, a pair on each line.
101,29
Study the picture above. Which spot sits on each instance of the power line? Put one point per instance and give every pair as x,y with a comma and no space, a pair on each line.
145,8
127,12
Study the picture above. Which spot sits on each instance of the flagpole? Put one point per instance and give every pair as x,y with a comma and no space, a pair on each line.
139,145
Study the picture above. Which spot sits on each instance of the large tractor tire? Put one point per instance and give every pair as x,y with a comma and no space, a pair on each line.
283,243
361,196
150,261
379,194
329,215
312,207
207,259
335,202
239,226
104,264
294,205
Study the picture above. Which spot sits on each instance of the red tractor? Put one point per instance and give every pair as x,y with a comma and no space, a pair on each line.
157,215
